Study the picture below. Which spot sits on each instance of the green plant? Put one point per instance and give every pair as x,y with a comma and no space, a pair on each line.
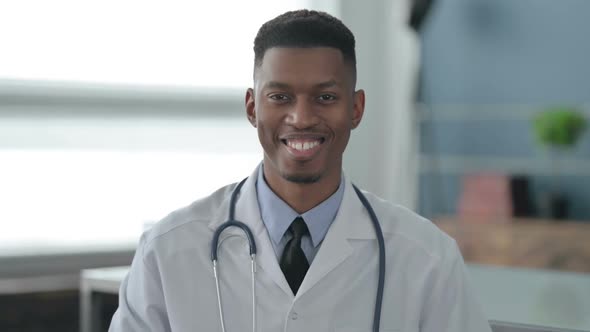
559,127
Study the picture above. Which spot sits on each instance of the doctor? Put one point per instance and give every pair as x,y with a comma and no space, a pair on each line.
317,253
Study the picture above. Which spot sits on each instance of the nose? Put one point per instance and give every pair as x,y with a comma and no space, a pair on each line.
302,115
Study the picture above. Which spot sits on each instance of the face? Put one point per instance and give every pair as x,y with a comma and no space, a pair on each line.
304,106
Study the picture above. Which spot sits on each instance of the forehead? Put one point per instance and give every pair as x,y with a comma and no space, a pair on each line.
299,66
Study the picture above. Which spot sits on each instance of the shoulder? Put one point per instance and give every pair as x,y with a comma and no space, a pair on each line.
412,231
187,220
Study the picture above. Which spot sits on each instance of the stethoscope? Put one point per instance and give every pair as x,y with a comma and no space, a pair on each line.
232,222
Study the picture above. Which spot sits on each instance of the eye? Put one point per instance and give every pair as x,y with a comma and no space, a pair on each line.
279,97
326,97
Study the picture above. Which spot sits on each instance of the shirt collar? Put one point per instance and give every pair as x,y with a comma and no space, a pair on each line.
278,215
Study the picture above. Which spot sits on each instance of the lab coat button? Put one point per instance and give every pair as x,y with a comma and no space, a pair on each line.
294,316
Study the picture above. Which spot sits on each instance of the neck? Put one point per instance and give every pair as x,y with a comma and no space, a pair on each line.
303,197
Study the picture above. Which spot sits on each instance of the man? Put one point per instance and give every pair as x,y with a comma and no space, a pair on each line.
317,259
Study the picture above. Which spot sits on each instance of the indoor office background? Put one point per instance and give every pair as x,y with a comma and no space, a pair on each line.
114,113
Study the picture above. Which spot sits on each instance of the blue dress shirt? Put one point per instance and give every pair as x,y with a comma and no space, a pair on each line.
278,215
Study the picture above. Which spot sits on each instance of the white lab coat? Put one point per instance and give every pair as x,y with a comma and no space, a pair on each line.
170,286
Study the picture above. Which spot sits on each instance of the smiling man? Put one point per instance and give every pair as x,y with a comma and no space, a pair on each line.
318,254
304,105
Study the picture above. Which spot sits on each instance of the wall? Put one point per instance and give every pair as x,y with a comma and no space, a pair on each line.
381,156
507,52
488,67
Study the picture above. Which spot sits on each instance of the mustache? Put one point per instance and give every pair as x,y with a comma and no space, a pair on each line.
304,134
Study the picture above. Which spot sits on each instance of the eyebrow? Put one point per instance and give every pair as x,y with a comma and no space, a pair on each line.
327,84
276,85
285,86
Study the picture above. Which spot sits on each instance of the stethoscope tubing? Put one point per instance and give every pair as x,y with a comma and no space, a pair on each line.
252,247
381,243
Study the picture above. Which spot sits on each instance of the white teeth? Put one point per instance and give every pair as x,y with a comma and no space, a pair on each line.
303,146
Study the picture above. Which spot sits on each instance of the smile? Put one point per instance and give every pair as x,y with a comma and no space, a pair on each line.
303,146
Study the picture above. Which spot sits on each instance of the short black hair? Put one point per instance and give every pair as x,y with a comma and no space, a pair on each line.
305,28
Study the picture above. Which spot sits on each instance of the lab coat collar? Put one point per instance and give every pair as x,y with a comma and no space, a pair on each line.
352,222
248,212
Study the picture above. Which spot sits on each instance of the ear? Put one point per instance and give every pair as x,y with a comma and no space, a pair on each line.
250,107
358,108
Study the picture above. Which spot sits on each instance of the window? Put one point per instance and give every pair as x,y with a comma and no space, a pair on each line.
85,182
173,42
115,113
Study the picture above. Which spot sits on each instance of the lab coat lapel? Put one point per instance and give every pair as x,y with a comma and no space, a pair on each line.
248,212
352,221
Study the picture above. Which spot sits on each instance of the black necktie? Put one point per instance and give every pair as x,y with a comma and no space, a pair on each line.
293,261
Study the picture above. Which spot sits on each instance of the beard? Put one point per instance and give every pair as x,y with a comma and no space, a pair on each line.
302,178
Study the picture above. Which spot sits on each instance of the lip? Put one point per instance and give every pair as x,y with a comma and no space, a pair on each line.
303,136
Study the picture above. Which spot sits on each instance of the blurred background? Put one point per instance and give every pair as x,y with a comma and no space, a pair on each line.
115,113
